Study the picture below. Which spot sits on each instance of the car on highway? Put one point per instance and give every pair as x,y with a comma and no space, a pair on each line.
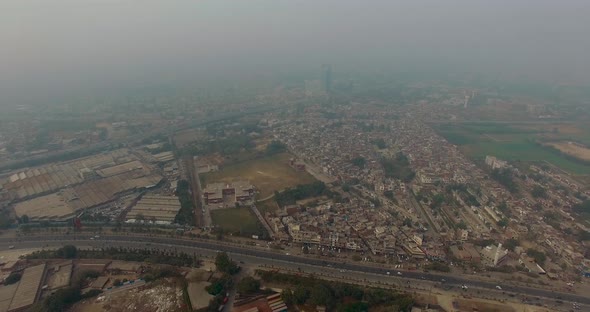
388,273
11,247
399,273
498,287
464,287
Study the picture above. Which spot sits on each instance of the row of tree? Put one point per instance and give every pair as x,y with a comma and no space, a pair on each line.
123,254
302,191
336,296
186,214
220,286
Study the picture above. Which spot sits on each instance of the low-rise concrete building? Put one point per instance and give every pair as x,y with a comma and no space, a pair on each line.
29,289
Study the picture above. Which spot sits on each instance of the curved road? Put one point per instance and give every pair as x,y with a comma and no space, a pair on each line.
141,242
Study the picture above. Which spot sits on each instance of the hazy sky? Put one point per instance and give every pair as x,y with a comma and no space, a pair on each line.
50,47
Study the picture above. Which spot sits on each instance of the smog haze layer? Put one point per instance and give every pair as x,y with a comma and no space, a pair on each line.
63,48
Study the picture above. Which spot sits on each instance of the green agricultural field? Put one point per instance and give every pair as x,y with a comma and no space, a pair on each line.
236,220
508,142
267,174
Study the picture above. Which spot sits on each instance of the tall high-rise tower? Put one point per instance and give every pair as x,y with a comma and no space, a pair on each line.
327,77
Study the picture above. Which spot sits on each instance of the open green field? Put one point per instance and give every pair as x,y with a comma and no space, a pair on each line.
233,220
269,205
267,174
513,142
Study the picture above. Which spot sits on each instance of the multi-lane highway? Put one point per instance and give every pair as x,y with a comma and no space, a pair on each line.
270,257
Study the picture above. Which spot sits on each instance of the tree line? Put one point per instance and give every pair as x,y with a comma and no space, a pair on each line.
186,214
302,191
334,295
123,254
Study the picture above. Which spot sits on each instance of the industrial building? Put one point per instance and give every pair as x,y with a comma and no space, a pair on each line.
157,209
50,178
121,168
49,207
164,157
60,275
66,203
28,290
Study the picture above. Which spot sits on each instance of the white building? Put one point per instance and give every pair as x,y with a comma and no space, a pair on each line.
493,255
495,163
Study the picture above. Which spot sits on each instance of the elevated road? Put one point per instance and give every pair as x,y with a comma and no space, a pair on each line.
268,255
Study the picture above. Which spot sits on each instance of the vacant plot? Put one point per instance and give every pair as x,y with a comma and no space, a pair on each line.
236,220
267,174
164,295
572,149
508,142
480,305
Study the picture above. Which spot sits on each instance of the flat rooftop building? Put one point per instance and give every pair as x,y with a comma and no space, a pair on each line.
164,156
28,290
216,193
60,275
63,205
48,207
119,169
161,209
6,294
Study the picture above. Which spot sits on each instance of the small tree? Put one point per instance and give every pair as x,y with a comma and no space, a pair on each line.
301,294
287,296
359,162
321,295
67,251
538,192
248,285
305,250
224,264
511,244
24,219
12,278
539,256
503,222
407,222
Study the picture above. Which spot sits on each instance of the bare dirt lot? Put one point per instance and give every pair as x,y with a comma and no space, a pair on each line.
268,174
452,302
163,296
572,149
